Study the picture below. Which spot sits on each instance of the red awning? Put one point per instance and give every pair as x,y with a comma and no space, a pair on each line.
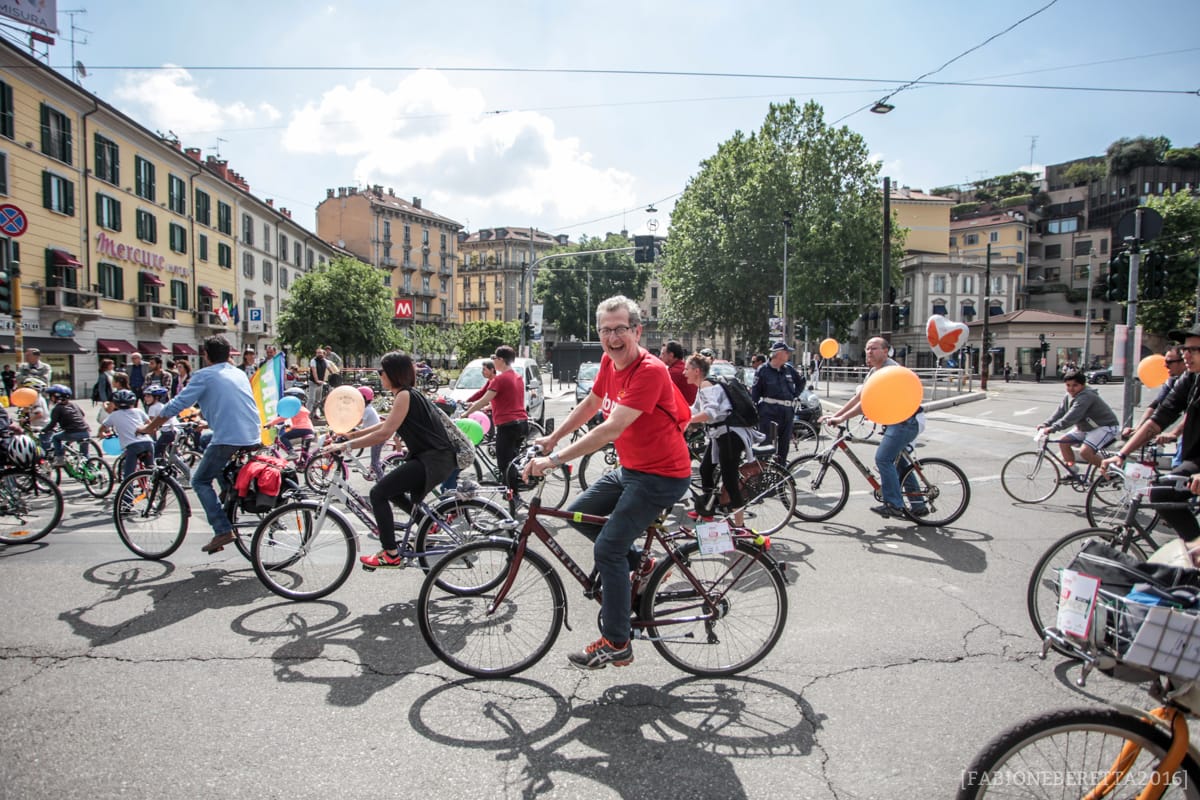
152,348
208,291
114,347
183,350
151,279
64,259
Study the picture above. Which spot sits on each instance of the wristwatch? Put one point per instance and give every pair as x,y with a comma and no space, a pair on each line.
555,458
1122,456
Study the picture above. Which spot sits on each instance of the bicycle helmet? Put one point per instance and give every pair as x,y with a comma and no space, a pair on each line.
58,390
36,384
297,393
156,390
124,398
707,353
23,451
367,393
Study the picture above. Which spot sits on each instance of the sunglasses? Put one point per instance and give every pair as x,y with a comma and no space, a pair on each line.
1189,349
1173,360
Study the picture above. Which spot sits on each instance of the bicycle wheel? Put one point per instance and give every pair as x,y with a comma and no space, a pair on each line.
770,498
30,506
319,472
96,477
806,438
302,552
464,631
1037,757
456,522
1041,595
1030,477
822,489
595,465
941,492
1107,504
732,625
151,514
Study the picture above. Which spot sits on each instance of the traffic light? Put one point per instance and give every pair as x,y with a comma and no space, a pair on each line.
1157,275
1045,347
646,249
797,331
1116,283
5,291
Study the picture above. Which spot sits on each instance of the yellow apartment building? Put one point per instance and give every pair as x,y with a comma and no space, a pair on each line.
492,270
926,217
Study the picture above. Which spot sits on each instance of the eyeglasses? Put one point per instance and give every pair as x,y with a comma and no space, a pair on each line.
619,330
1173,360
1189,349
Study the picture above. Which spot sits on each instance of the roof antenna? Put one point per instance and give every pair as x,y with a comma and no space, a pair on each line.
79,70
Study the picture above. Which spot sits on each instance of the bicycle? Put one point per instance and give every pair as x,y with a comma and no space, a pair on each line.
152,513
1122,751
768,490
493,608
30,505
1109,496
1033,476
92,471
305,549
934,486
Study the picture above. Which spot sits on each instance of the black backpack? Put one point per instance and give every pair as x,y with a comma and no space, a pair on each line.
745,412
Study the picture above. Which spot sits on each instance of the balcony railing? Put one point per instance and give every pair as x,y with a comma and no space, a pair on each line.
68,300
156,313
446,270
207,319
471,305
389,262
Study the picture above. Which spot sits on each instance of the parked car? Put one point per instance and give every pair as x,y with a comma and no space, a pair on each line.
723,369
1100,375
471,380
584,380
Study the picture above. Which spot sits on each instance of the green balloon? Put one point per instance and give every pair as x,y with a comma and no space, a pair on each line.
471,428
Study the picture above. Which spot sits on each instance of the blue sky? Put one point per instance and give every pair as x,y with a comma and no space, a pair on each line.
574,153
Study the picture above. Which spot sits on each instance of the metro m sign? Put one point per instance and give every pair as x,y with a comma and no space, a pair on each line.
404,308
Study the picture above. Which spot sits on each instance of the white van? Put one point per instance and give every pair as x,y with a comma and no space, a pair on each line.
471,380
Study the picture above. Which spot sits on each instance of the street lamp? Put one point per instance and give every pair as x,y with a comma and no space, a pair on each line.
881,107
787,228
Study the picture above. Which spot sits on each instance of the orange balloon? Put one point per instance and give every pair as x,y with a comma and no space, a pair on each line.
24,397
829,348
1152,371
892,395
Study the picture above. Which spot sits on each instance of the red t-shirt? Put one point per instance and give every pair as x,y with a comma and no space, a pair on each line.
509,403
654,442
677,377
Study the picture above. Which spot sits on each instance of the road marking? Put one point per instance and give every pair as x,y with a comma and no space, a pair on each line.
1026,411
994,424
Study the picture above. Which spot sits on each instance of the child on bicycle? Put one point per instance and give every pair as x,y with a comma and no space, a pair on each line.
124,421
298,426
1095,423
154,397
69,421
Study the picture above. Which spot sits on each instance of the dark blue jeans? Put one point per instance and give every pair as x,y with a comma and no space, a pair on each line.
895,439
782,416
631,500
142,452
58,437
212,467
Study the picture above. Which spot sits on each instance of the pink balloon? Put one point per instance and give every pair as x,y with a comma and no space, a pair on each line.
482,419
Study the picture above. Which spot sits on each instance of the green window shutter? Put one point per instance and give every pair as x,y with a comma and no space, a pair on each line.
46,190
67,152
116,206
45,130
69,198
100,205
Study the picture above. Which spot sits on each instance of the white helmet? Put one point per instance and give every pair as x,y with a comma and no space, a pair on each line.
23,451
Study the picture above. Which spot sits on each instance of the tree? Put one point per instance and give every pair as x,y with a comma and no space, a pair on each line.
1179,242
1081,173
477,339
344,305
724,257
562,285
1126,154
1183,157
1001,186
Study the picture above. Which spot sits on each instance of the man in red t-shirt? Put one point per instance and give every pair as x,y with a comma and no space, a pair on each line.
672,355
644,414
506,393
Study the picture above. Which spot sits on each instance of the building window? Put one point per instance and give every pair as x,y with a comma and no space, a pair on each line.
1063,225
247,230
112,281
176,194
1080,272
1053,251
499,292
224,255
3,173
443,241
407,235
968,284
224,218
266,237
58,194
179,295
998,284
203,208
972,238
321,260
248,265
147,226
56,134
108,160
268,272
939,284
226,299
178,237
1020,235
387,231
425,237
1083,247
954,241
108,212
296,249
1020,257
202,247
308,259
387,251
993,236
283,277
143,178
1104,247
7,122
283,246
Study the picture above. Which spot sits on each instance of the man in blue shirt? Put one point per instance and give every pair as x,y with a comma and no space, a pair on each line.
777,384
223,393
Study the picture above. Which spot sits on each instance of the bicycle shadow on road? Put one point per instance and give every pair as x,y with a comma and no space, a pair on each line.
947,546
383,647
124,608
680,740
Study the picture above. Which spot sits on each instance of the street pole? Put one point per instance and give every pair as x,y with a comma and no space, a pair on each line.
1087,311
985,355
787,227
1131,318
885,300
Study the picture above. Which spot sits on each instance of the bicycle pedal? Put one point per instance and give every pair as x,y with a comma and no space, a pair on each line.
365,568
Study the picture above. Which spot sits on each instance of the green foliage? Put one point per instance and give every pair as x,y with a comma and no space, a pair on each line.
945,191
962,209
562,284
1183,157
724,255
1010,185
1179,243
1082,173
1019,200
344,305
478,339
1126,154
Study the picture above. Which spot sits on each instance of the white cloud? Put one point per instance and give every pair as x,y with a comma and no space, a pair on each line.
431,137
171,100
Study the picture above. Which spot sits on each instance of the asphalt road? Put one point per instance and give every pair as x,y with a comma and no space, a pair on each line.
906,649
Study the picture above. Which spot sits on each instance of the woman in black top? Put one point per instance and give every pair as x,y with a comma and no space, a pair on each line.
431,455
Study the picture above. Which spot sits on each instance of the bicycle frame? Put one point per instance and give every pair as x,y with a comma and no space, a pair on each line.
840,442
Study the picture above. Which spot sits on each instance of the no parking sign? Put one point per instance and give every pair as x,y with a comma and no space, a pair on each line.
13,220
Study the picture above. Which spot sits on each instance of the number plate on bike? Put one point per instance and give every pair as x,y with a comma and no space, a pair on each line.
1076,601
714,537
1139,476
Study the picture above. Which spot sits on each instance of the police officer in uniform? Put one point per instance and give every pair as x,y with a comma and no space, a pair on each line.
777,385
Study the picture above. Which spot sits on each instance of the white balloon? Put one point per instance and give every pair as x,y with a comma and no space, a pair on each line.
344,409
944,336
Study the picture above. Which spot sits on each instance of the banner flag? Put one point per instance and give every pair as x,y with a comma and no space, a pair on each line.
267,386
